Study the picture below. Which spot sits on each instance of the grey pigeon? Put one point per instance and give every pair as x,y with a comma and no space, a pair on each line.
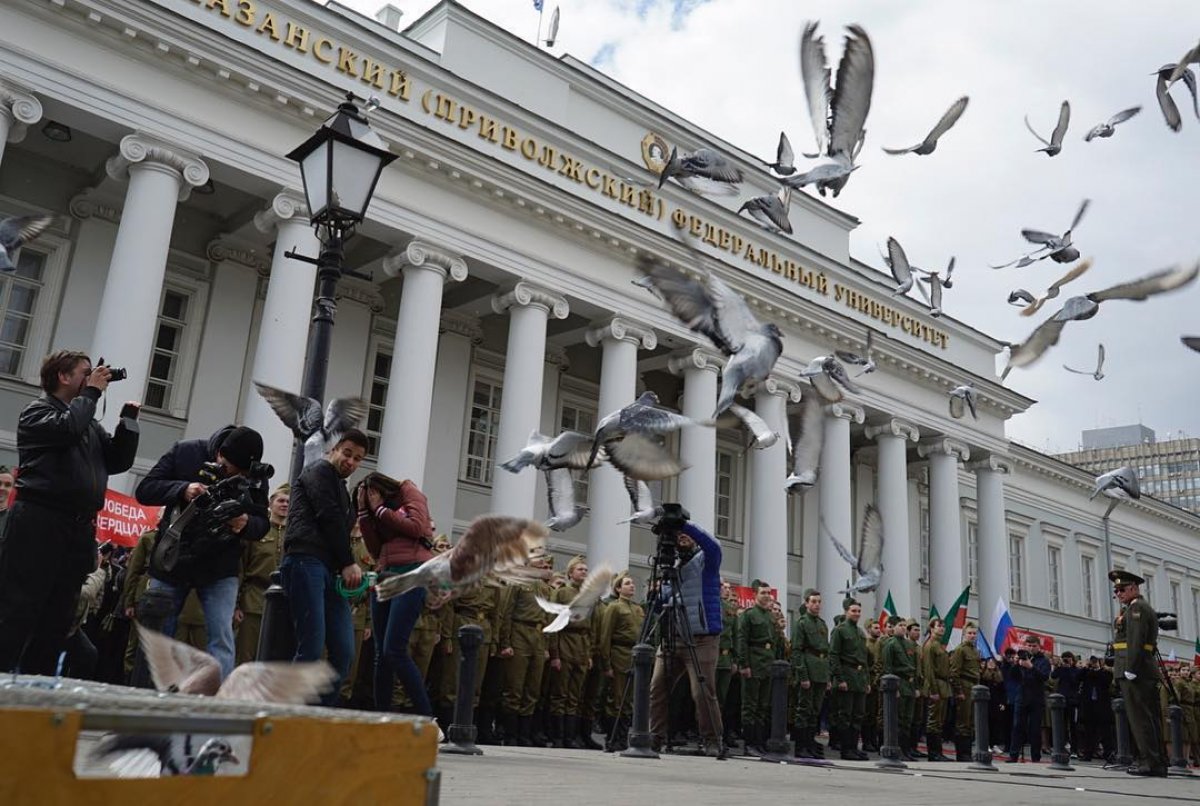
1020,296
771,210
1098,373
569,449
16,232
1162,92
901,269
642,281
552,36
761,435
642,501
930,142
785,157
809,440
829,377
1191,57
178,753
962,399
839,114
1054,144
1109,127
1121,484
303,416
1053,291
935,282
1043,337
866,359
560,490
597,583
631,434
714,309
867,557
1058,248
703,171
1191,342
822,175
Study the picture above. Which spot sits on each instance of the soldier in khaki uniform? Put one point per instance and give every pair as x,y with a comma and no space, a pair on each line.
476,606
259,559
848,669
918,712
937,686
522,638
726,667
619,630
137,577
899,657
870,729
810,666
594,684
1135,641
757,647
431,632
965,671
570,659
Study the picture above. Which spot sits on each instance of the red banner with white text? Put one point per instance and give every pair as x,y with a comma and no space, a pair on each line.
1016,637
123,519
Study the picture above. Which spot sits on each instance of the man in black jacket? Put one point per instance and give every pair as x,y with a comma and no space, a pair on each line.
209,561
48,546
1032,670
316,552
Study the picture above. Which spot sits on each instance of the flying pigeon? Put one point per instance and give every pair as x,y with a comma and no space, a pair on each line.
806,450
631,436
598,581
642,500
785,158
838,114
560,489
1191,342
569,449
1020,296
178,753
771,210
1054,144
761,435
867,559
902,270
303,416
930,142
1052,292
703,171
643,281
714,309
1043,337
866,359
962,398
1162,91
936,284
1121,484
16,232
1056,247
1098,374
552,36
1108,128
1191,57
1079,308
493,544
829,377
823,175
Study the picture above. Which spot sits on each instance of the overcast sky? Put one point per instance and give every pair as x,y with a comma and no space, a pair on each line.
731,67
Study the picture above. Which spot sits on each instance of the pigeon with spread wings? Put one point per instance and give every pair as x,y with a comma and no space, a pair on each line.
809,429
771,210
865,359
962,399
1109,127
1054,144
703,171
1058,248
1052,292
16,232
591,589
930,142
303,416
633,435
1098,372
829,378
560,490
1121,484
785,157
867,557
1165,76
569,449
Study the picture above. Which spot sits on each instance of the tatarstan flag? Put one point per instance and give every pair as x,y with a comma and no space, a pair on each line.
956,620
1196,660
889,609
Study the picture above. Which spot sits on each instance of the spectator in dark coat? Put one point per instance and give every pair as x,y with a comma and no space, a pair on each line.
1095,711
1066,677
1030,673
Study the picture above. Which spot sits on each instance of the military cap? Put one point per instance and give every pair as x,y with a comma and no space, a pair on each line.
618,579
970,625
911,622
811,592
1125,578
849,602
893,620
756,583
282,489
578,559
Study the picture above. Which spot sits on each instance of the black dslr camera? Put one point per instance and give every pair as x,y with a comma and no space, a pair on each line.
114,373
1023,654
667,528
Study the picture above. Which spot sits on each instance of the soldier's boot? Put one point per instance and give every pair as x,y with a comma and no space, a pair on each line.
485,733
846,744
906,746
556,730
914,734
754,739
962,748
524,729
814,746
800,743
538,728
508,722
933,742
852,736
869,744
584,727
835,738
570,732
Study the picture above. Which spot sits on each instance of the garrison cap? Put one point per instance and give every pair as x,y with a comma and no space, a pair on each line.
894,619
911,622
811,592
574,561
618,579
848,602
282,489
1125,578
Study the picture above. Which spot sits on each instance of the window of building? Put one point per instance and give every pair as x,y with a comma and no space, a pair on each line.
577,416
1195,610
1016,567
381,372
483,425
1149,588
1054,574
728,469
973,556
176,315
924,545
1088,564
19,292
1175,598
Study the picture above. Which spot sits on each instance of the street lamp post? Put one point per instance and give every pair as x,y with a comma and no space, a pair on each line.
340,165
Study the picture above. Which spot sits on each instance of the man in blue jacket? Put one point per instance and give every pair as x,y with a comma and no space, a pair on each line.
700,597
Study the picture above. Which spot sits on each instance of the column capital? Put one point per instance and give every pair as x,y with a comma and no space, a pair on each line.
846,411
556,354
288,204
696,358
999,464
141,149
22,107
360,291
91,203
461,324
780,387
425,255
934,446
893,428
223,248
619,328
524,294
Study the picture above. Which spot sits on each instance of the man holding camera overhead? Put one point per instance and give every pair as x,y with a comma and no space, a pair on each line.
1135,646
48,546
207,529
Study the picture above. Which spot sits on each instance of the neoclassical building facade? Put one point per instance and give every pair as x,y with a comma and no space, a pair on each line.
494,297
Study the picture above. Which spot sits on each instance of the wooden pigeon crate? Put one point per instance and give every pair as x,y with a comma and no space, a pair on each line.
298,754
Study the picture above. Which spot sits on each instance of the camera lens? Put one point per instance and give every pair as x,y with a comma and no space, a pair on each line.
117,374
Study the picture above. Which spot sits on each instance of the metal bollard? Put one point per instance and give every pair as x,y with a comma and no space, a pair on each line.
779,746
889,751
277,635
461,735
1060,759
1179,763
640,742
1124,756
981,756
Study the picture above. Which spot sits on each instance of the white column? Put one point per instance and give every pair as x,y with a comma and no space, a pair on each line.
891,498
159,178
767,543
946,554
414,357
620,338
283,327
698,446
95,235
992,534
529,308
18,109
358,303
458,334
833,490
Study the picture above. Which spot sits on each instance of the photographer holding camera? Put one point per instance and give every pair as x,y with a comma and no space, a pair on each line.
1032,670
48,546
214,496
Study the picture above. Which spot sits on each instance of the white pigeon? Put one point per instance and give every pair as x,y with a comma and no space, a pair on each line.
809,439
948,119
1052,292
1054,144
560,489
829,377
303,416
1098,372
865,359
867,558
569,449
16,232
598,582
785,157
761,435
1109,127
642,500
897,262
1121,484
963,398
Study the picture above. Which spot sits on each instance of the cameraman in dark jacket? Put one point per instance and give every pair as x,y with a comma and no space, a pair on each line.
48,546
209,558
1032,669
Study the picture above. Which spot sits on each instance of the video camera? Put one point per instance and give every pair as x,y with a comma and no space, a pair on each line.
224,498
674,517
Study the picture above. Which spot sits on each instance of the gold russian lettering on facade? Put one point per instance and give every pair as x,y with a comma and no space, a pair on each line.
529,148
510,139
220,5
297,38
269,27
571,168
373,73
591,178
466,117
488,129
245,13
401,85
347,61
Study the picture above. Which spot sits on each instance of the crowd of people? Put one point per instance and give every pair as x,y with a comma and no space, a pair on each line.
66,607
